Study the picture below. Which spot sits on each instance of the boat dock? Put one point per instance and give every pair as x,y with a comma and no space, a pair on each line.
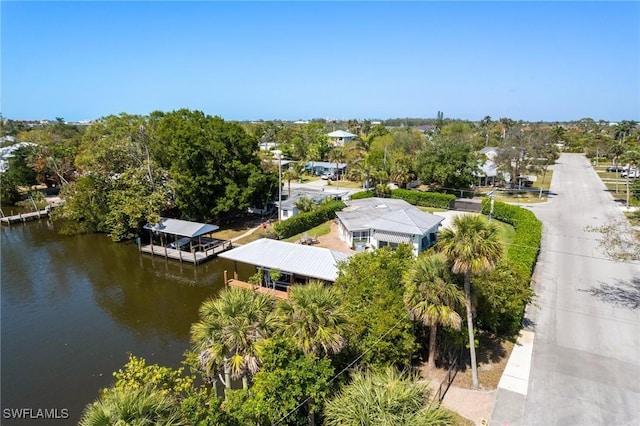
197,256
24,217
234,282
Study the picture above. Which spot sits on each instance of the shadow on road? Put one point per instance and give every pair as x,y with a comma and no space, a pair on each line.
623,293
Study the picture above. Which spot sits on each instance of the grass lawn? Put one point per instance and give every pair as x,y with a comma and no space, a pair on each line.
528,197
430,209
506,232
344,184
322,229
544,183
622,192
609,175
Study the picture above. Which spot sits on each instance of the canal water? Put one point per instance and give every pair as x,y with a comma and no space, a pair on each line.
74,307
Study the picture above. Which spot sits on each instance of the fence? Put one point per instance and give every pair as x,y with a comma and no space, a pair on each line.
449,377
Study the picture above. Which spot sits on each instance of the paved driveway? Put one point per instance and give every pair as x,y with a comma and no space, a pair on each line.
586,354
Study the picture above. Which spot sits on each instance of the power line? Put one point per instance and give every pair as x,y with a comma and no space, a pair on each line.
345,368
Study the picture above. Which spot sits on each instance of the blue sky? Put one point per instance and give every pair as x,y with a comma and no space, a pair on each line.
549,61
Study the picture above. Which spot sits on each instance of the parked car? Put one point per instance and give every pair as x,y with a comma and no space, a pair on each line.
329,176
615,169
633,173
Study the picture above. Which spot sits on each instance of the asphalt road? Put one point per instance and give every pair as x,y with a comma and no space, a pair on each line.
585,366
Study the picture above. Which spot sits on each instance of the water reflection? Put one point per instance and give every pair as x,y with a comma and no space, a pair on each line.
73,307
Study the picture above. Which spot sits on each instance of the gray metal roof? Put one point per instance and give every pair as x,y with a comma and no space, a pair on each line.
314,195
341,134
326,164
181,227
386,214
407,221
314,262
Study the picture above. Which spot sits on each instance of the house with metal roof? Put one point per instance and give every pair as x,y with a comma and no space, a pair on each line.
183,240
340,137
297,263
319,168
380,222
288,205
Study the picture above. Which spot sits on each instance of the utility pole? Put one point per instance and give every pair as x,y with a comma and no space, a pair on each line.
279,155
491,196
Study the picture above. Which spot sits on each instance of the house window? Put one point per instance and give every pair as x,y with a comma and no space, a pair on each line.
385,244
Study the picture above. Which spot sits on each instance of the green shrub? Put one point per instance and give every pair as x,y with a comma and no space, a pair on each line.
424,199
362,194
523,250
305,221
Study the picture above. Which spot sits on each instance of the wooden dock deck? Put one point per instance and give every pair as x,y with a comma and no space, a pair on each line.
24,217
195,257
278,294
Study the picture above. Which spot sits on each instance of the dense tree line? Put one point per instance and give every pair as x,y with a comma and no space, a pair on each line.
188,164
123,171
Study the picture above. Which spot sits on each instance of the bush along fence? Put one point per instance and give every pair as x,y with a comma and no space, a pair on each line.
305,221
504,293
417,198
523,250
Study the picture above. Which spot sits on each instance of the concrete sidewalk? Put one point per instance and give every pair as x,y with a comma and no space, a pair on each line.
503,406
514,383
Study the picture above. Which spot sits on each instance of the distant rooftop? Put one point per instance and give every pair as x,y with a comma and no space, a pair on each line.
341,134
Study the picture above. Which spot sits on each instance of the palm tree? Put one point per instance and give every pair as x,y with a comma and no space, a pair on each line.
337,155
473,247
362,170
432,297
290,174
133,406
229,329
388,398
402,171
315,318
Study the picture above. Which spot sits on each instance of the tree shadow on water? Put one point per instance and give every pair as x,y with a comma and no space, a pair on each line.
622,293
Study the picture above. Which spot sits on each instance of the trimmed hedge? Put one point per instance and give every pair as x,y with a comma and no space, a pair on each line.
523,250
305,221
362,194
424,199
436,200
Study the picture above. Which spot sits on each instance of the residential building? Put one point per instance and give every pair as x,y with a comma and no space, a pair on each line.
380,222
340,138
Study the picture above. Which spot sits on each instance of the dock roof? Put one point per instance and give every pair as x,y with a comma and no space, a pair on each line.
313,262
183,228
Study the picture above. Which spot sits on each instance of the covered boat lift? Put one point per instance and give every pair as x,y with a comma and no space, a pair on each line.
184,241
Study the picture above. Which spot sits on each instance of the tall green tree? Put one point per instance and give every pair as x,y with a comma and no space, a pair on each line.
385,398
432,297
448,163
315,318
19,173
371,286
213,163
473,247
230,327
287,377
